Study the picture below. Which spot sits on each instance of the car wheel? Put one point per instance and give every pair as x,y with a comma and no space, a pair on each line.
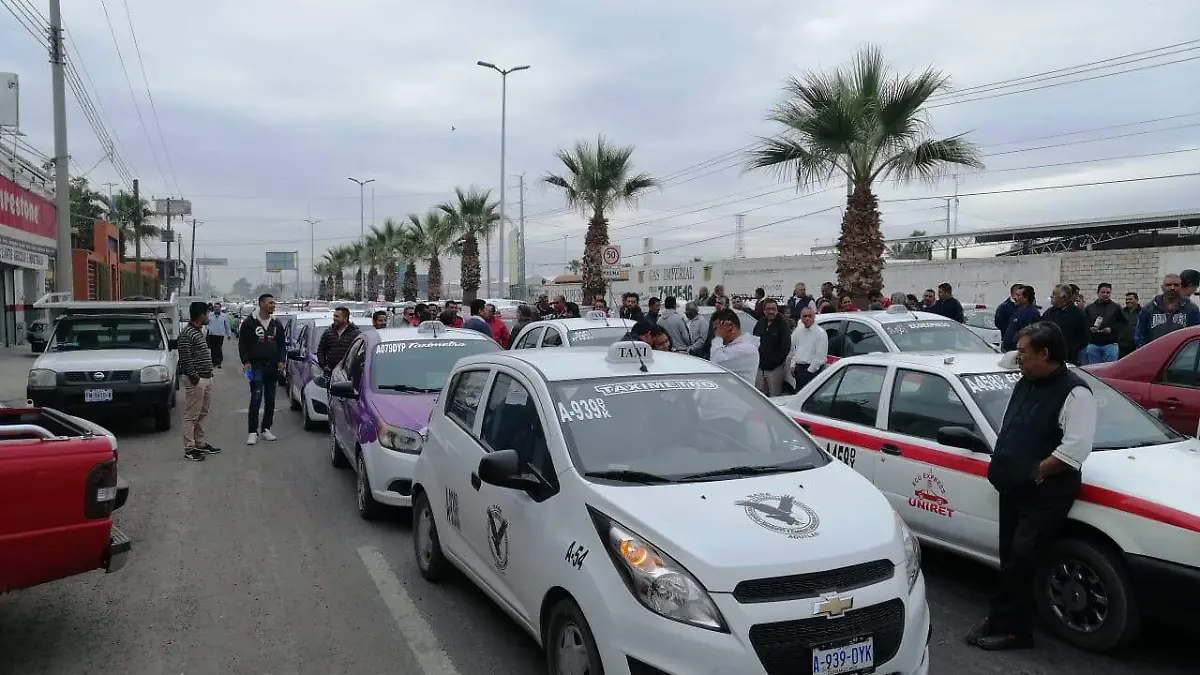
336,455
1084,596
570,646
431,563
309,423
368,508
162,418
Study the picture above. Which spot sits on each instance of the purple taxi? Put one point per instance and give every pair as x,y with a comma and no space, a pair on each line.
380,399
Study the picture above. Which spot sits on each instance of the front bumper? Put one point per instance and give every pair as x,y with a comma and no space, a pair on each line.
136,398
390,473
765,638
318,402
1165,590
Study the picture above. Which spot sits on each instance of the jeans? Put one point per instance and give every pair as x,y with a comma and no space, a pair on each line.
264,382
215,345
1102,353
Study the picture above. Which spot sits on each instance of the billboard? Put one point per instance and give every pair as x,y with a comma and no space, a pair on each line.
23,210
212,262
172,207
10,100
281,261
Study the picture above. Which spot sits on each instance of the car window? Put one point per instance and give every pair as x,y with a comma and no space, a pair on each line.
406,367
354,359
981,319
861,339
511,422
701,423
833,330
530,337
553,338
302,338
1181,371
602,336
92,333
935,336
462,403
1120,423
314,338
922,403
851,395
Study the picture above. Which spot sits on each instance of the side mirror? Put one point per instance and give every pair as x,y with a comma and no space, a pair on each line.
294,354
343,389
1156,413
962,437
503,469
172,344
322,381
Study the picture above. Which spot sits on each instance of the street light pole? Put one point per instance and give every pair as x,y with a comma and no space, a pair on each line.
312,249
362,233
503,132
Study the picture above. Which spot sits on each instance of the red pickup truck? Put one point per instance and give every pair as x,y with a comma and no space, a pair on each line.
58,490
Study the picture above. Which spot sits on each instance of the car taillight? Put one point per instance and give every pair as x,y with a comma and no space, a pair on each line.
100,492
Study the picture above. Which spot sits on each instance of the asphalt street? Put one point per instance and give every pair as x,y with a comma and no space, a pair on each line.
255,561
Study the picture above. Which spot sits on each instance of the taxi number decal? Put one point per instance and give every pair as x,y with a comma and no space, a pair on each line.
846,453
398,347
587,409
576,552
452,509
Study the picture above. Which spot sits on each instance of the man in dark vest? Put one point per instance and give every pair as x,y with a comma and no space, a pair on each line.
1043,441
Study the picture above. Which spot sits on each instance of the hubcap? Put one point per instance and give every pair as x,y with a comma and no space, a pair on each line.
572,652
425,538
362,484
1078,596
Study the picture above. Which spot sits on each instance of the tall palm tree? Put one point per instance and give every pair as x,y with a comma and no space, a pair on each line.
473,216
435,237
322,271
598,179
865,124
122,212
574,265
388,241
354,252
339,257
374,256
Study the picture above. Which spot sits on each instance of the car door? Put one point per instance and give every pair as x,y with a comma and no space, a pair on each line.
530,338
834,329
552,338
939,490
343,412
842,414
1176,390
454,454
861,338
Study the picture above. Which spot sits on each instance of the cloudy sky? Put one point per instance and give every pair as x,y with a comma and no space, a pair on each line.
266,107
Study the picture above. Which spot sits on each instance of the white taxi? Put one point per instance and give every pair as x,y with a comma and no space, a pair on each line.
722,538
897,329
595,329
922,429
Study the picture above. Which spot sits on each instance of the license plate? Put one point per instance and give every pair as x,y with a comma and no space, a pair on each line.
852,657
97,395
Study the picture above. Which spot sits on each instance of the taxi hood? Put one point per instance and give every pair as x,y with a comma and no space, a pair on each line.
407,411
1163,474
728,531
100,359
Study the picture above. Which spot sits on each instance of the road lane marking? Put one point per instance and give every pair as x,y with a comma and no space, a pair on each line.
413,627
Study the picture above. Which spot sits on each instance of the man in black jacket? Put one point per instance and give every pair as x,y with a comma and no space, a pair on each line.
336,340
262,347
947,305
1070,320
774,344
1045,437
1106,321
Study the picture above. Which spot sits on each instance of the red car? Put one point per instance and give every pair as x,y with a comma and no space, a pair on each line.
1162,375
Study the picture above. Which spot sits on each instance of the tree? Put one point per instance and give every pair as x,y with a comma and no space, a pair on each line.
87,206
242,287
574,265
912,250
866,125
473,216
321,271
599,178
388,246
435,236
123,214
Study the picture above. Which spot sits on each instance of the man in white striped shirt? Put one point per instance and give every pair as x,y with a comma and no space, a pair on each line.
810,349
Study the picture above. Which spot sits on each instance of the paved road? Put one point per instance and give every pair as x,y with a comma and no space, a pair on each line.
255,561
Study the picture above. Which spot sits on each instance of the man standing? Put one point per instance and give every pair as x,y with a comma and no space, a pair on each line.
687,330
1045,437
774,343
1130,310
1166,313
476,322
1069,319
379,320
336,340
1005,311
1105,321
499,330
654,307
630,307
736,351
796,304
218,332
947,305
262,346
810,349
1023,315
196,369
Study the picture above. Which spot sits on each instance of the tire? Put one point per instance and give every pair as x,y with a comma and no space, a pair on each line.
309,423
368,508
336,456
1070,569
427,546
162,418
569,636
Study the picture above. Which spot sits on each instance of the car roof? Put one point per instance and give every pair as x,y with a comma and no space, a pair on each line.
397,333
964,363
582,324
882,316
581,363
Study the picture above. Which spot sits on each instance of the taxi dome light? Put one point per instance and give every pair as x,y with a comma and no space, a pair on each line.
431,327
596,315
630,352
897,309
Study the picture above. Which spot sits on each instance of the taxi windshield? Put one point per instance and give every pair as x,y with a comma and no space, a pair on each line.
91,333
601,336
681,427
984,319
420,366
935,336
1120,423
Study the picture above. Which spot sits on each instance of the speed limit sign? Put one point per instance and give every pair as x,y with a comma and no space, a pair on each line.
611,255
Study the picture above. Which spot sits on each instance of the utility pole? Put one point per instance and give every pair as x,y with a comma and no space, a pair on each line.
362,233
739,236
192,264
948,242
167,265
137,238
312,246
524,290
64,280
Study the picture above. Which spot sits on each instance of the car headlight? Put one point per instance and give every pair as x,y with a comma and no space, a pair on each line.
660,583
912,553
41,378
155,374
399,440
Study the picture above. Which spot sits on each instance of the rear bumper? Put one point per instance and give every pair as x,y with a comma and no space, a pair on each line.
1165,590
122,493
139,399
117,553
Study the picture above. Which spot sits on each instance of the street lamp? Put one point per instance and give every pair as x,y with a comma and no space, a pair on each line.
362,233
312,250
503,127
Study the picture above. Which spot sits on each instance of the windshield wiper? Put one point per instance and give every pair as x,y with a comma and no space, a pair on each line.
738,471
1130,446
629,476
408,388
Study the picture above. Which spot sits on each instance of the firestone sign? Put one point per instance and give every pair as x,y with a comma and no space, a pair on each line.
22,210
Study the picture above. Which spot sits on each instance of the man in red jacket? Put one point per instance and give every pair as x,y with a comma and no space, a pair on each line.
499,329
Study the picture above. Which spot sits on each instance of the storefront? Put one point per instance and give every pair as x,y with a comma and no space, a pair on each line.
27,227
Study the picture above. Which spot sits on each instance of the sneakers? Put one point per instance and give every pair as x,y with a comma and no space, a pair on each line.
193,455
267,435
252,438
208,449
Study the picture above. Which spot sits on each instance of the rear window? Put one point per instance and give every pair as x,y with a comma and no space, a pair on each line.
420,366
597,337
981,319
935,336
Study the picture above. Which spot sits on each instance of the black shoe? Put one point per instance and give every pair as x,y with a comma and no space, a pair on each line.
996,643
980,630
193,455
208,449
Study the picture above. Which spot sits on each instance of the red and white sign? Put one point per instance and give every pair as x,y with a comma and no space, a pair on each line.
23,210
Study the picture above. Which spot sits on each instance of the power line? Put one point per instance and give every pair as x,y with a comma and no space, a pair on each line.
153,108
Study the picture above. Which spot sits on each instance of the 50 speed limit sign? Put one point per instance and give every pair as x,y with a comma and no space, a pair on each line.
611,255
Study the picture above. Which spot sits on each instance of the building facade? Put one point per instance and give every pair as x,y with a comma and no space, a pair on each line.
27,227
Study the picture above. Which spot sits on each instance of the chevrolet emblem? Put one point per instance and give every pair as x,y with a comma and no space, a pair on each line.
833,606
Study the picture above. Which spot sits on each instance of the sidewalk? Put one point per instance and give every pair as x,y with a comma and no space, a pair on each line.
15,363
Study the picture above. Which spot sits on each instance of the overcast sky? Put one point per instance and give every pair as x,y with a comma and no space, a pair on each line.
266,107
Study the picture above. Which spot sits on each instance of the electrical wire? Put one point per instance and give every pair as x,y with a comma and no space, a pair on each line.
150,96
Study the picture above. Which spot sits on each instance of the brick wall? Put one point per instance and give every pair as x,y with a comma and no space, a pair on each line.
1127,270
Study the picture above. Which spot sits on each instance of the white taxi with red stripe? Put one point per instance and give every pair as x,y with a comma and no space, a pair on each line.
922,428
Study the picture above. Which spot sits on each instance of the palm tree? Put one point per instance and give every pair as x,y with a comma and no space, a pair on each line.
321,271
867,125
338,257
435,237
354,253
122,213
473,216
598,179
374,257
574,265
387,242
